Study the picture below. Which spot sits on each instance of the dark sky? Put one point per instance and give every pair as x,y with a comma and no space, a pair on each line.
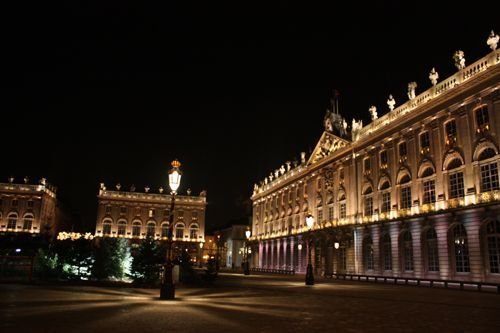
112,91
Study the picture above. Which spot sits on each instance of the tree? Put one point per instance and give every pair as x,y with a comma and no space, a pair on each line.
110,258
146,262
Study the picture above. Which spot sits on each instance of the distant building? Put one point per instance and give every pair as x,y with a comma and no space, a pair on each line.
137,215
232,242
30,209
415,193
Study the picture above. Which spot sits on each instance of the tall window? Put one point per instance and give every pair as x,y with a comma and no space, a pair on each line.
150,230
342,205
343,258
451,132
27,222
122,228
425,142
456,184
151,212
368,206
431,248
402,150
179,231
136,229
406,197
482,117
11,221
368,253
407,247
193,231
386,202
489,171
123,210
387,252
383,158
14,202
106,228
493,241
330,213
367,164
164,230
461,249
108,209
320,215
30,204
429,191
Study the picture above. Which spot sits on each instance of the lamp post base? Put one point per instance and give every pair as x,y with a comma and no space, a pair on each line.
309,275
246,268
167,289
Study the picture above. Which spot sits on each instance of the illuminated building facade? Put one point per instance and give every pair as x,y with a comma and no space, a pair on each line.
30,209
415,193
136,215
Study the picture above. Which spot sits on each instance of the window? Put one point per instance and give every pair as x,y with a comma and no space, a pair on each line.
14,202
179,231
136,229
407,252
386,202
383,158
193,231
330,213
368,253
30,203
482,118
489,177
27,222
123,210
342,205
150,229
429,192
493,242
406,197
320,215
151,212
425,140
194,216
402,150
108,209
343,258
367,165
165,230
180,214
122,227
11,221
106,228
456,185
387,252
451,132
368,206
431,248
461,249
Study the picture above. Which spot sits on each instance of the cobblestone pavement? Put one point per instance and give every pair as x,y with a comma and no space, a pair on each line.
254,303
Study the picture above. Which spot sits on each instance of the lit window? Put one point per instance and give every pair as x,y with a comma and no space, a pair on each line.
461,248
122,227
493,241
405,197
179,231
136,229
27,222
429,192
150,230
11,221
482,118
106,228
368,206
424,140
456,185
386,202
402,150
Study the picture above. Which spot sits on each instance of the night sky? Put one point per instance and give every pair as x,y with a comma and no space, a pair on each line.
112,91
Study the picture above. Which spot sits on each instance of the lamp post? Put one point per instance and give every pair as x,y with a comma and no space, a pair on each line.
167,290
309,269
246,264
201,255
217,254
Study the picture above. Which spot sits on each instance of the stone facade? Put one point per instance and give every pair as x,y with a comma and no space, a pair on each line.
415,193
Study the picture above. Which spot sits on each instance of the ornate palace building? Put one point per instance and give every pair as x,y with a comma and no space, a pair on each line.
137,215
30,209
415,193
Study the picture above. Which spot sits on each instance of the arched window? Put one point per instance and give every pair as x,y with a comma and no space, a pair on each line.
431,250
28,221
164,229
342,205
122,227
461,249
405,191
136,229
493,242
368,201
489,171
150,230
12,221
387,252
179,231
193,231
407,250
106,227
368,253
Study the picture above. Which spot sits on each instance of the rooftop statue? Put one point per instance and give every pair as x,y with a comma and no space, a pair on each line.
327,121
492,40
390,102
373,112
433,76
411,89
459,58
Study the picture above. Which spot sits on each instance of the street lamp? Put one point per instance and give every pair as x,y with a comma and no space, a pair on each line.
167,290
309,269
201,254
246,264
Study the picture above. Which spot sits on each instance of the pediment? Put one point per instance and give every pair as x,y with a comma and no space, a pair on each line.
327,144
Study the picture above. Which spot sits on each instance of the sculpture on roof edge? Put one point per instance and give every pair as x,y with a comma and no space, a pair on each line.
327,121
459,58
411,89
433,76
373,112
391,102
492,40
